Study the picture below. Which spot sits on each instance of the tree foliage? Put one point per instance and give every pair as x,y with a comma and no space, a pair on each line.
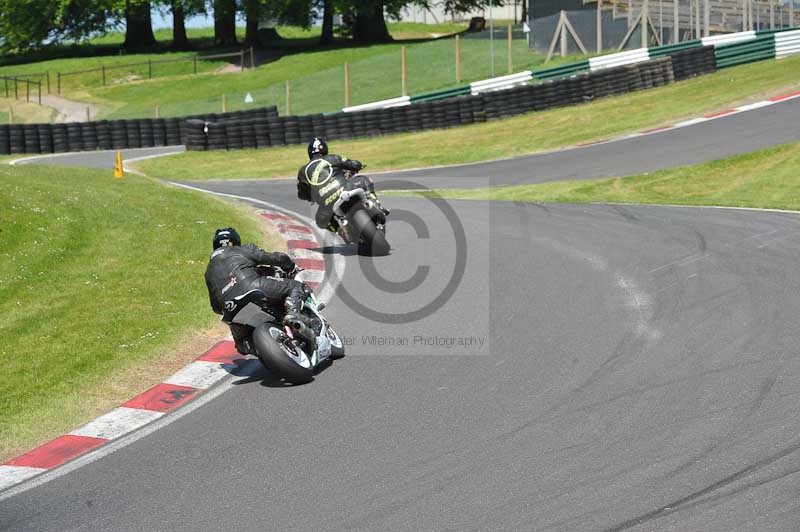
54,21
75,20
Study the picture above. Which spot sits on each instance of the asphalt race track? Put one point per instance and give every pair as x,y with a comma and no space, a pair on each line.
599,368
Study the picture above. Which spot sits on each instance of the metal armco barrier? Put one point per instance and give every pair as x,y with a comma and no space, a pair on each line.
748,51
619,59
441,95
392,102
499,83
561,71
730,38
787,43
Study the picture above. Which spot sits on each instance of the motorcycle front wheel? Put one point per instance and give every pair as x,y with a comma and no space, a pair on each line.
277,354
337,345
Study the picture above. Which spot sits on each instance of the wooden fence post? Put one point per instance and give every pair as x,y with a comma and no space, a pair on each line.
403,61
510,61
347,85
288,98
458,59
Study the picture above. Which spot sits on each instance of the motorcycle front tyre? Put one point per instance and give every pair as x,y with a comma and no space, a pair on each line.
275,356
337,345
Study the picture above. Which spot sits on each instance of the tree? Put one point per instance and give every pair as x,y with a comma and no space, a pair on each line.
138,25
366,18
369,24
180,10
225,22
326,37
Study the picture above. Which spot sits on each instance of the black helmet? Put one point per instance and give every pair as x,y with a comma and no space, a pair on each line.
317,146
226,237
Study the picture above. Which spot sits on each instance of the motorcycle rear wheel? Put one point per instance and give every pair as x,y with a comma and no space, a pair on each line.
274,353
374,239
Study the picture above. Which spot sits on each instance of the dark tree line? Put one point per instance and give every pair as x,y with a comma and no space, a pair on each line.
76,20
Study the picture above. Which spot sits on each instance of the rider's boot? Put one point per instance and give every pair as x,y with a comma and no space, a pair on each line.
241,340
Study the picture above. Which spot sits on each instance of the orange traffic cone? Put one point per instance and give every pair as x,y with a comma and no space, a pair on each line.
118,171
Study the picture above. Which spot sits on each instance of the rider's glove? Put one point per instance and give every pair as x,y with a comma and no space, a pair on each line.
287,264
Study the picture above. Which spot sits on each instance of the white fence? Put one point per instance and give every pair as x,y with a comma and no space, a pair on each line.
787,43
499,83
619,59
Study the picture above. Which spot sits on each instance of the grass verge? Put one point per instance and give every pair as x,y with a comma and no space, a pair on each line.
101,292
766,179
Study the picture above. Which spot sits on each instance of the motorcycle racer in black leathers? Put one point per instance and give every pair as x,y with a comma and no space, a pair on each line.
323,178
233,270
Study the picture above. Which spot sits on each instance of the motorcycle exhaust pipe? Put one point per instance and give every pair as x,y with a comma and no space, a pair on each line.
305,332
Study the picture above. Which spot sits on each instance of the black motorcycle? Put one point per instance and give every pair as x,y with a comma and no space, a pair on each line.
293,353
361,221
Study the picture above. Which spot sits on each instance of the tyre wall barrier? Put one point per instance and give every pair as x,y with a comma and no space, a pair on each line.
116,134
693,62
230,134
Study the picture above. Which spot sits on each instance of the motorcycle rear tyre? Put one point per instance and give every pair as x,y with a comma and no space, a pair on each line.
272,356
374,239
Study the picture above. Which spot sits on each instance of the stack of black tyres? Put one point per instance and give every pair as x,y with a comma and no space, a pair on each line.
196,134
146,139
604,83
5,149
60,143
478,105
319,126
291,131
16,139
693,62
248,133
103,131
261,132
216,135
465,116
233,133
45,133
159,132
30,138
119,134
385,122
133,133
276,137
344,125
305,127
631,78
172,131
74,140
358,127
88,136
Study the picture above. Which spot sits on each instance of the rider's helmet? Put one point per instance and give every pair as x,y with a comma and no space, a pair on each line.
317,146
226,237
